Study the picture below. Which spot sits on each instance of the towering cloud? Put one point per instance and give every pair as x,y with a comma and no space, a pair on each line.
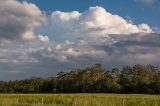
94,22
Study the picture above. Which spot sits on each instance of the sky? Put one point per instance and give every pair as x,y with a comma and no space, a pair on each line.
44,37
139,10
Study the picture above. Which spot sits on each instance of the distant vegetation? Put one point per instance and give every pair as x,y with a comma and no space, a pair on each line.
96,79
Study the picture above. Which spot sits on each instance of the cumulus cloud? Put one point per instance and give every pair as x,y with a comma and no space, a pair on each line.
43,38
18,20
95,21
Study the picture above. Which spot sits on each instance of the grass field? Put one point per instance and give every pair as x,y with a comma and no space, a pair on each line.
78,100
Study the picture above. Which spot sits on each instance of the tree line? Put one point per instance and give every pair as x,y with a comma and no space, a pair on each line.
95,79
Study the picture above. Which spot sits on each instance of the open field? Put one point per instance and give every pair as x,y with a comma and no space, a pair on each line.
78,100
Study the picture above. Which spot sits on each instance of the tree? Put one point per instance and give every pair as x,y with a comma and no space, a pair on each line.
95,79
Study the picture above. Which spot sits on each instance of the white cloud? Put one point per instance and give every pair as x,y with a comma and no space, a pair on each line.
43,38
19,19
94,22
145,28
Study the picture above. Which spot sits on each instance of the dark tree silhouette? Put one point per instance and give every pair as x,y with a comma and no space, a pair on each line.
96,79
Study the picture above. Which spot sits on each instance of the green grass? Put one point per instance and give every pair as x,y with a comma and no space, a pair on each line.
78,100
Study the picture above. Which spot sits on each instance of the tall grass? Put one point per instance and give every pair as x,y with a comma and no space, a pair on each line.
78,100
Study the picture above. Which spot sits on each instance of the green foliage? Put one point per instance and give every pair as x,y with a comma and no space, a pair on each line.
96,79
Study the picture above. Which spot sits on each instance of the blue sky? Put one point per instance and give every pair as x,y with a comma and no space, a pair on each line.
139,12
43,37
